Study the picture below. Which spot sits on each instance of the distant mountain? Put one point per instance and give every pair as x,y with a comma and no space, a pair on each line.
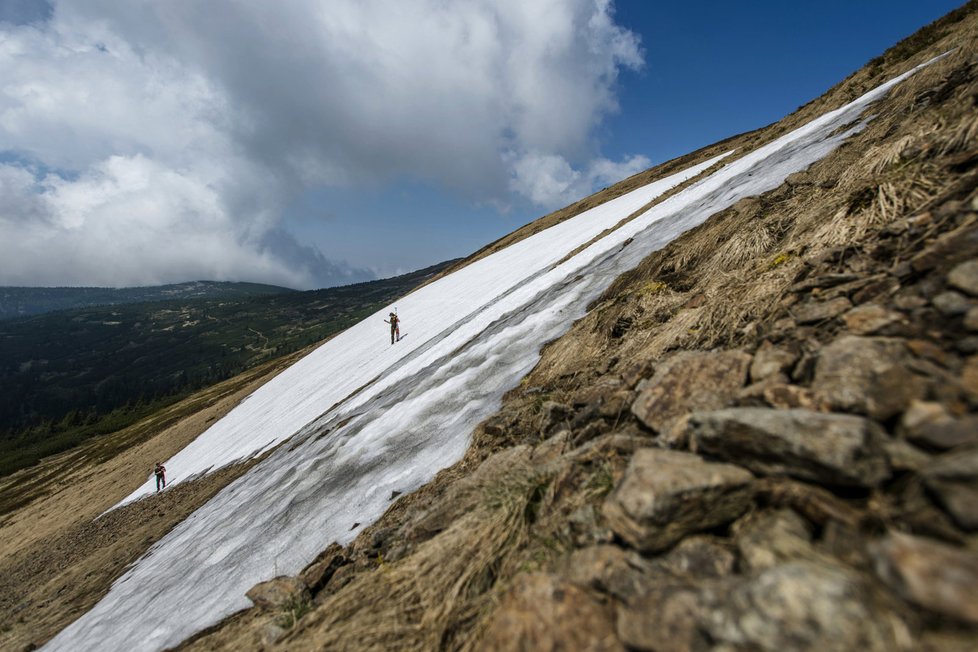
68,375
25,301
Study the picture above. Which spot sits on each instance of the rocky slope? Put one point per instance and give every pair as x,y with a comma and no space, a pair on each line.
765,437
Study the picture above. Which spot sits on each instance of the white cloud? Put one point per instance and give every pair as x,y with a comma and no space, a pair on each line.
548,180
164,139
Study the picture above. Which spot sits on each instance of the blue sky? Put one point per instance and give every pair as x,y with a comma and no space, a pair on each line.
317,142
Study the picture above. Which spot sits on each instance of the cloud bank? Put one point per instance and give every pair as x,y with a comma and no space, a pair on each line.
147,142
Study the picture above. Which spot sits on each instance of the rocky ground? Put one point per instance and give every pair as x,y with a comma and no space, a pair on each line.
763,438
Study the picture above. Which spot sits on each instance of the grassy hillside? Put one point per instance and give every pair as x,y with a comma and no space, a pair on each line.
70,375
25,301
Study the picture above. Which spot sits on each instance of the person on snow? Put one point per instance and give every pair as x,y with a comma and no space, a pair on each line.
160,472
395,327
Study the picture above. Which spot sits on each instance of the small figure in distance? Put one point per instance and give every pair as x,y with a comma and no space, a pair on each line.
395,327
160,472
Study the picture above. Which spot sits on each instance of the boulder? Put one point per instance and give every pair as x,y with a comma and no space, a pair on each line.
663,620
971,319
953,478
667,494
834,448
965,277
278,592
699,557
768,539
690,381
804,605
608,569
969,377
932,575
868,375
544,612
951,304
770,360
869,319
814,312
930,424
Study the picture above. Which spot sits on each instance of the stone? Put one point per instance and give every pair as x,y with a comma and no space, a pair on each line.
969,377
608,569
664,620
929,351
971,319
786,396
967,345
815,312
833,448
700,557
278,592
959,500
804,605
317,574
965,277
543,612
930,424
932,575
870,319
667,494
554,414
690,381
957,465
953,478
951,304
903,456
770,360
867,375
272,633
768,539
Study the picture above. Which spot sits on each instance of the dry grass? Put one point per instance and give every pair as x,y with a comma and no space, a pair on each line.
434,598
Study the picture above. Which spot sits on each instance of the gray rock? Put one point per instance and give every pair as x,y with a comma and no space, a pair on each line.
951,303
957,465
690,381
664,620
904,456
870,318
768,539
770,360
834,448
804,605
960,501
930,424
965,277
609,569
933,575
811,313
699,557
868,375
666,494
278,592
967,345
971,319
953,478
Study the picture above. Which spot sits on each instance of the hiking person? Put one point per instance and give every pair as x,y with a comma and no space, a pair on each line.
395,327
160,472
